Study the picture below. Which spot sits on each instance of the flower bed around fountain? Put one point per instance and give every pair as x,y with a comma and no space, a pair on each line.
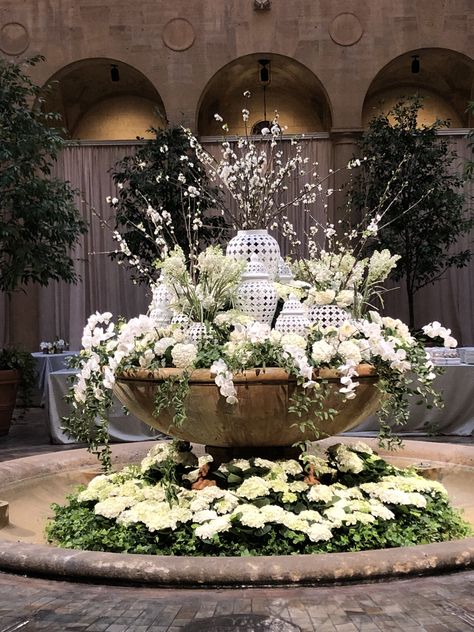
347,499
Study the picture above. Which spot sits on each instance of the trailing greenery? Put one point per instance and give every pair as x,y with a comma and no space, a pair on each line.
349,500
39,223
409,176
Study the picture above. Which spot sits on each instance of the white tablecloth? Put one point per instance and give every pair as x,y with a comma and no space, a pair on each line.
47,363
455,418
121,427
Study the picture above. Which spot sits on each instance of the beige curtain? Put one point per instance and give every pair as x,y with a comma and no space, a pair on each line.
103,285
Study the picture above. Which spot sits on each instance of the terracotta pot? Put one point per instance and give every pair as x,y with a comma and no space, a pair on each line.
9,381
260,418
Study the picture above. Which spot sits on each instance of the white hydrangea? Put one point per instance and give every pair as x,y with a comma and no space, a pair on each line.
208,530
389,494
319,532
253,487
350,351
98,489
113,506
321,493
184,355
415,484
293,340
163,344
204,515
249,516
322,352
346,460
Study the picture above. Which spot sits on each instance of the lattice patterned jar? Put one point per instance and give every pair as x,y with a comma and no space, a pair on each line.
181,321
256,295
197,332
159,309
328,315
285,275
293,318
256,242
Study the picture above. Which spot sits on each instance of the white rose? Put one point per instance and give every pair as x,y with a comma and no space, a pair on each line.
323,297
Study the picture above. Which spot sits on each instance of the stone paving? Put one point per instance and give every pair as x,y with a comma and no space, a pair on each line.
430,604
436,604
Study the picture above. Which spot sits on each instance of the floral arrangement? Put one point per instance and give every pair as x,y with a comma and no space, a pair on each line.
346,499
193,323
57,346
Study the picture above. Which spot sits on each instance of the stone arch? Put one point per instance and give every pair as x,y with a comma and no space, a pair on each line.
293,90
445,80
104,99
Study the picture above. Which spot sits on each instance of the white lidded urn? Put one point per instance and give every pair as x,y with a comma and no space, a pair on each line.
293,318
256,295
285,275
159,309
256,242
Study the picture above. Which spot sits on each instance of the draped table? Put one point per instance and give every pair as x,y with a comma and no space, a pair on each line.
122,427
456,417
47,363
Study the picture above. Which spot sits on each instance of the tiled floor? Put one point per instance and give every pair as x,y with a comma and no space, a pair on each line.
431,604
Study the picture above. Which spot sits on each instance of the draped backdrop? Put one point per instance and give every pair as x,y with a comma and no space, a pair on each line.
105,286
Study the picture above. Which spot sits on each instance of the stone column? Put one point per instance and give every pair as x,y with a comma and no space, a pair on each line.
345,146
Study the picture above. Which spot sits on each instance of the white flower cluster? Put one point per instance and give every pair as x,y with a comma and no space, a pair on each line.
435,330
340,278
255,173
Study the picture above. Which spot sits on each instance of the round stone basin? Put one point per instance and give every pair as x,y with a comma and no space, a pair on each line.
31,484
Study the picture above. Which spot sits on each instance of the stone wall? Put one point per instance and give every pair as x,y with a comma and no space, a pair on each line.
180,46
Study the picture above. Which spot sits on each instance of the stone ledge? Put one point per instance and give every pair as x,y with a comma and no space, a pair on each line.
325,568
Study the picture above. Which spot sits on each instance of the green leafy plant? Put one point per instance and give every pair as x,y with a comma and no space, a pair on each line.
39,223
424,215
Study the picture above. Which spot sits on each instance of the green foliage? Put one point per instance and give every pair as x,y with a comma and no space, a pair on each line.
411,169
13,358
39,223
171,395
148,179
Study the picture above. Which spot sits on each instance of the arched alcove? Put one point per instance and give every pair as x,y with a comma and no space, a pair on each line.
444,78
104,99
292,89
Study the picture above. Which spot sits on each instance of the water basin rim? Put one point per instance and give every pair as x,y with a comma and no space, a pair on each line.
376,564
52,562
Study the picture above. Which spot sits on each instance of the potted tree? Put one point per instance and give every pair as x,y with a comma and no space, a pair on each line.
39,223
